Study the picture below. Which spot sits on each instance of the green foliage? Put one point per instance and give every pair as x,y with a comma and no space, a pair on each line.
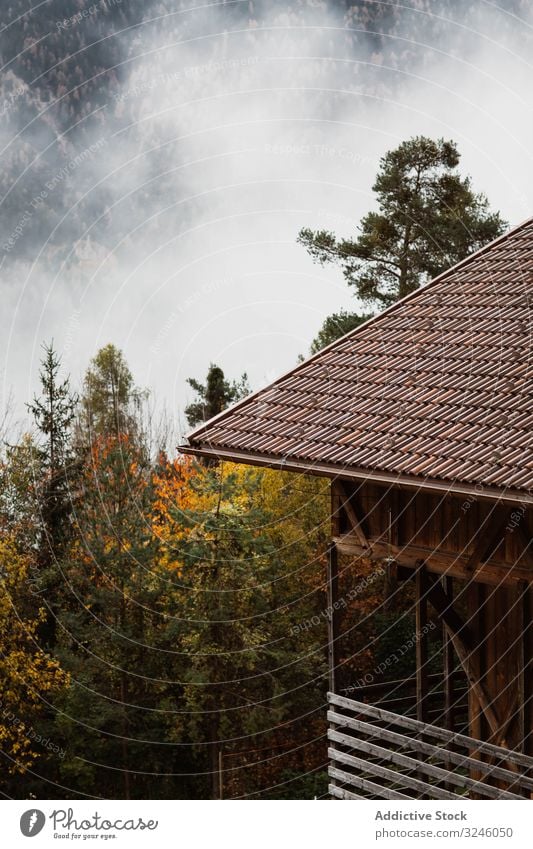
298,785
428,218
114,638
54,411
335,326
243,656
110,401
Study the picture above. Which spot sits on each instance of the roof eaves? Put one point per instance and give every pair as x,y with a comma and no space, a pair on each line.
330,470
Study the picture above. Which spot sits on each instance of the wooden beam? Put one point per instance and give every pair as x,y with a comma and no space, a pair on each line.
397,758
421,612
393,538
486,544
421,787
351,514
340,793
443,604
408,722
437,562
431,750
336,506
475,596
409,483
466,649
525,534
448,665
376,790
333,614
512,712
395,516
477,687
525,713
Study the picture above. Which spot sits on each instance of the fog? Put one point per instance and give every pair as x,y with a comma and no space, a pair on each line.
170,218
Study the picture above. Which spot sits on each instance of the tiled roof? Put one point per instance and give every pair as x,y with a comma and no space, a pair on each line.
437,389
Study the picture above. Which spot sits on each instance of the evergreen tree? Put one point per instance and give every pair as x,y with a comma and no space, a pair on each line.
215,395
54,480
428,218
115,638
53,412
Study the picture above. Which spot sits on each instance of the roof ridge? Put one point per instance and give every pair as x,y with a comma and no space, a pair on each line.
509,234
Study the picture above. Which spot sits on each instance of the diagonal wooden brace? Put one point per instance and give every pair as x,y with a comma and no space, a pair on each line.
351,514
463,644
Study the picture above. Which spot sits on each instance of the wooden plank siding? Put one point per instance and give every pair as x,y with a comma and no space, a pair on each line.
445,523
484,548
447,531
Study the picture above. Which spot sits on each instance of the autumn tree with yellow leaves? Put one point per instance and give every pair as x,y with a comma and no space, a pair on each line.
31,679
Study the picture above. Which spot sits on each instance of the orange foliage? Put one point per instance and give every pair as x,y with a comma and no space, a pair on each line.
173,494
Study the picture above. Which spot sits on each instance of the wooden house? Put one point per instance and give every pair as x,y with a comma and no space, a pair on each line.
422,418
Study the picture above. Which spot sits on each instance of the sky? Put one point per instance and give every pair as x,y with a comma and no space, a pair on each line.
233,126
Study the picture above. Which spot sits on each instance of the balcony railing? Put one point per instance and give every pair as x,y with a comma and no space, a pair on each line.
377,754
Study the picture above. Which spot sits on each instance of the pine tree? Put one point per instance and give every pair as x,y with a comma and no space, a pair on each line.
215,395
115,638
53,412
335,326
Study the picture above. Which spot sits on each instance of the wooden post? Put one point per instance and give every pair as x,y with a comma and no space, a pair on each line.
528,666
524,671
391,571
333,593
475,600
333,614
421,644
449,675
214,769
475,596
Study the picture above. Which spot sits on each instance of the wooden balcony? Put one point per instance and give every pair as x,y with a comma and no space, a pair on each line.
377,754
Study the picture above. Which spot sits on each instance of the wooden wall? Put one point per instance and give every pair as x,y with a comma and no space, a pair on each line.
485,547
